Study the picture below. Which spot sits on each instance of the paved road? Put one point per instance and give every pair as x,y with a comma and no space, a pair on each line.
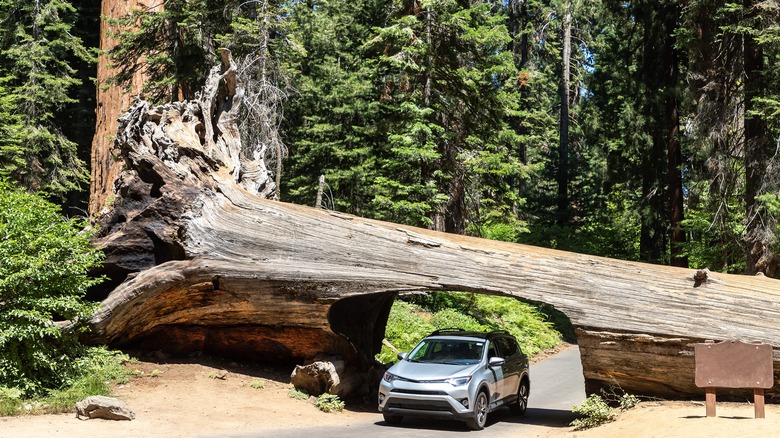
556,385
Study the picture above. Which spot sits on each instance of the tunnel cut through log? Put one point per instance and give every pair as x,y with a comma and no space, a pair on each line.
211,265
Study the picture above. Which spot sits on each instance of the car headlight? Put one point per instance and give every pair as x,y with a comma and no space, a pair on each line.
388,377
459,381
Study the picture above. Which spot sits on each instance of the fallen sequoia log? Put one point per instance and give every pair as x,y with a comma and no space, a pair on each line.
201,262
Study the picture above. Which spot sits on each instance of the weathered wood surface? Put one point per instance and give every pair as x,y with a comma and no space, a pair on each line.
201,263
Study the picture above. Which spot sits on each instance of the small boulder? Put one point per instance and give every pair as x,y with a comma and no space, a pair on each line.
315,378
109,408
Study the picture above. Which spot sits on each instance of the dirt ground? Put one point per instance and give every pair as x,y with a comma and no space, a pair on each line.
188,399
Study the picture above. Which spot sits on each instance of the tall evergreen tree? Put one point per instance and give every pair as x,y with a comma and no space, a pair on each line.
733,127
172,43
37,82
445,67
332,121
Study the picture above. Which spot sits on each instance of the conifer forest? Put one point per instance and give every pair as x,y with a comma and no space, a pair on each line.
634,129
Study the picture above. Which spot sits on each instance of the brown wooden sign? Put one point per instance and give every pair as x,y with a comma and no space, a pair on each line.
734,364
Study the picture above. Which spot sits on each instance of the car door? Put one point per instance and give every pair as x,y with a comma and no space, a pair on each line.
497,371
512,366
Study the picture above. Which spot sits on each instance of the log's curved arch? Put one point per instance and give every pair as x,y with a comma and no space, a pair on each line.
211,265
281,268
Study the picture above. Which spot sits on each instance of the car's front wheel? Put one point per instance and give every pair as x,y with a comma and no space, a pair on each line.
519,407
479,417
392,419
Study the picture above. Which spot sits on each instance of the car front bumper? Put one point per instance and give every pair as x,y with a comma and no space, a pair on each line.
436,400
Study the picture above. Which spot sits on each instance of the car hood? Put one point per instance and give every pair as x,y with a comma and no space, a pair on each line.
430,371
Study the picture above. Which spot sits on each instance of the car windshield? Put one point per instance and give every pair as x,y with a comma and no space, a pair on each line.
449,351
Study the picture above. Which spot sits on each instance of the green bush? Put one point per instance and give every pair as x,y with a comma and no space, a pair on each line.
628,401
296,394
10,401
44,265
406,325
595,412
451,318
329,403
520,319
98,368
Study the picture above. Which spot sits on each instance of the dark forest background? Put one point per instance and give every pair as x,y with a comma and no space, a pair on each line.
639,130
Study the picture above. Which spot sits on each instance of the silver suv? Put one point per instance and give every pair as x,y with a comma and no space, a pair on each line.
454,374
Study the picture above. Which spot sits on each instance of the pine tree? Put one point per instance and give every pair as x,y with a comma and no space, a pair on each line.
37,82
332,120
446,69
733,126
172,43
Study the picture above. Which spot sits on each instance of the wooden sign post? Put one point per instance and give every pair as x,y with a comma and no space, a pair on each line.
734,364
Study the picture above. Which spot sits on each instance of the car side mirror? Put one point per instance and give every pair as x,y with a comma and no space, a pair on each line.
402,355
496,361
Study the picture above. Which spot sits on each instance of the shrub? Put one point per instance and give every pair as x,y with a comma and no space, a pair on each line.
10,401
522,320
44,265
329,403
300,395
98,368
257,384
595,412
628,401
406,325
450,318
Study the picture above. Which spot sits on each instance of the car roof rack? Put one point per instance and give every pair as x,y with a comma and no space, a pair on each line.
446,330
500,332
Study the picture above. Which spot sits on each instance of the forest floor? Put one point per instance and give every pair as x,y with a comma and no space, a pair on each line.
192,398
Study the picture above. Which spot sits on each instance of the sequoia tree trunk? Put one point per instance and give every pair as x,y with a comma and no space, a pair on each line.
200,262
112,102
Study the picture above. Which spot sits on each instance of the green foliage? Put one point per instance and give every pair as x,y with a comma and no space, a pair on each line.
10,401
329,403
97,370
44,266
410,322
628,401
38,79
436,159
520,319
453,318
595,412
257,384
333,119
406,325
296,394
174,46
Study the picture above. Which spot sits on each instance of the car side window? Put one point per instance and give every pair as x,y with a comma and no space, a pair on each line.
507,346
493,350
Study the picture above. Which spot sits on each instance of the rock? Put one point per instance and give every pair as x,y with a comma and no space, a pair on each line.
108,408
316,378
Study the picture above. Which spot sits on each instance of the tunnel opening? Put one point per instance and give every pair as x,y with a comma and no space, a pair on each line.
538,327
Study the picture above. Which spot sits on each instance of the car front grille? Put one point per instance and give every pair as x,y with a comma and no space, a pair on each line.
415,391
420,405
